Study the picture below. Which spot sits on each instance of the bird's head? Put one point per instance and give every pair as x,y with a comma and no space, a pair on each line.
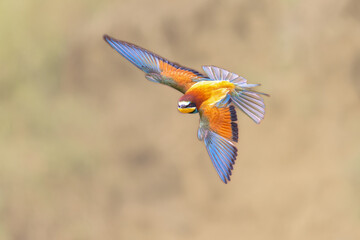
187,105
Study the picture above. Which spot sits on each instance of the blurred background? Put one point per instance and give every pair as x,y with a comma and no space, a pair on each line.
89,149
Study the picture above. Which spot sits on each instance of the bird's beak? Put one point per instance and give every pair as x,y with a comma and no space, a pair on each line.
187,110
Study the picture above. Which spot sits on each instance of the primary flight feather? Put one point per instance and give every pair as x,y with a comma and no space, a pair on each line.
212,95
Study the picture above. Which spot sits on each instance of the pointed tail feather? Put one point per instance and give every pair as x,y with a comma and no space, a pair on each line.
249,101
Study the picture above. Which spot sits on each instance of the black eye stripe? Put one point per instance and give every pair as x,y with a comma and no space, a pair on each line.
191,105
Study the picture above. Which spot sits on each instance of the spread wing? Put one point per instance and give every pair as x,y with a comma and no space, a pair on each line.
219,130
157,69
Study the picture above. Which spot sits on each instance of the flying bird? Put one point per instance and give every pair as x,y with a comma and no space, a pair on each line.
214,95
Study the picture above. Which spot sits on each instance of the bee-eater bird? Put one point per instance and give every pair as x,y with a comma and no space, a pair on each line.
213,96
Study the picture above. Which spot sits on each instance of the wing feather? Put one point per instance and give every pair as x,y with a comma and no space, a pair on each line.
181,78
218,129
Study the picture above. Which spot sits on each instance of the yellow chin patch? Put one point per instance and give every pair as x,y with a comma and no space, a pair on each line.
187,110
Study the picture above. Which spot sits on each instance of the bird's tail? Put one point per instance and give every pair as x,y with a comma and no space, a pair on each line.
243,96
249,100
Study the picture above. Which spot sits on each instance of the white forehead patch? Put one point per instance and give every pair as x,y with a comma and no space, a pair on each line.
183,104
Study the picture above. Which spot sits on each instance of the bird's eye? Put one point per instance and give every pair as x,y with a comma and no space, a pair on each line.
191,105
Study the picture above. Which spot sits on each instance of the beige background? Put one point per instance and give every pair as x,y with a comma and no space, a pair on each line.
89,149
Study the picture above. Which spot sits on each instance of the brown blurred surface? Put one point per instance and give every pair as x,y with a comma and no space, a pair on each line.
89,149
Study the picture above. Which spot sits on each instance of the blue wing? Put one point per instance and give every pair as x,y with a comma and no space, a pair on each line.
157,69
144,59
219,131
141,58
222,153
